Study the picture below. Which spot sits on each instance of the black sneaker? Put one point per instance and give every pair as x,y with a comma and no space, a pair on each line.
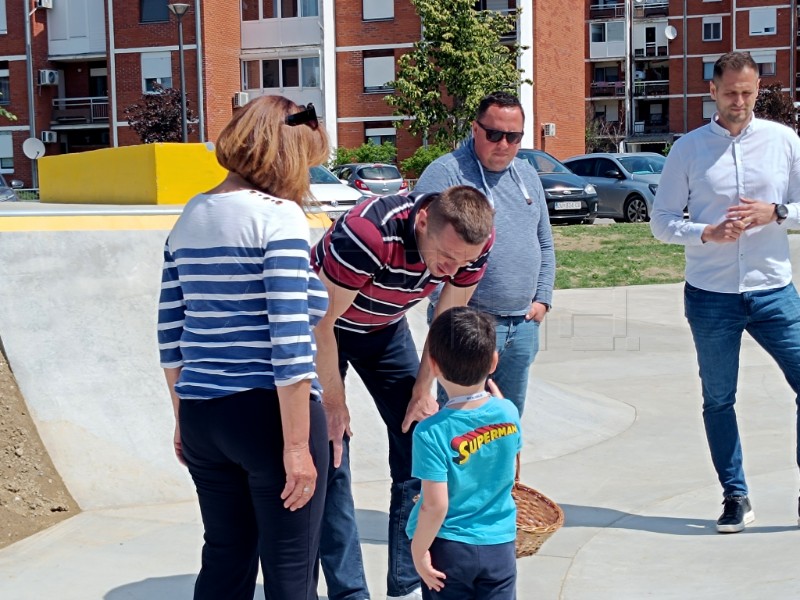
736,513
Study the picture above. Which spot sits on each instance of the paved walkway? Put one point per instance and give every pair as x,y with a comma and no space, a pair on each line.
613,432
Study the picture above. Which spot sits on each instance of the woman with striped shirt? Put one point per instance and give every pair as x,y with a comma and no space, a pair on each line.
237,308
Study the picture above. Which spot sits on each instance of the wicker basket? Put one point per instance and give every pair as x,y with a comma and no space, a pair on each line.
538,517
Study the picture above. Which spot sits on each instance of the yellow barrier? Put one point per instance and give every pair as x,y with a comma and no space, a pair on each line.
144,174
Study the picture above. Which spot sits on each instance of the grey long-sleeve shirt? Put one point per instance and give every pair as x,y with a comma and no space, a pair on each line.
522,265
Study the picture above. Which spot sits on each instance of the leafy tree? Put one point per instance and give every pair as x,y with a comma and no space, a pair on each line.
602,136
157,117
415,164
369,152
776,105
459,60
5,114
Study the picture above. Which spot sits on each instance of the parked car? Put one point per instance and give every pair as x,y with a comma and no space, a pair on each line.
373,179
8,193
626,183
570,199
334,197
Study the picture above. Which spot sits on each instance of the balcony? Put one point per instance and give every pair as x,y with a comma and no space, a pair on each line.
607,10
651,50
612,89
654,124
651,88
650,8
80,111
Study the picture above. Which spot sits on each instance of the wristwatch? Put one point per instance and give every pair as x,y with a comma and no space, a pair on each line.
781,212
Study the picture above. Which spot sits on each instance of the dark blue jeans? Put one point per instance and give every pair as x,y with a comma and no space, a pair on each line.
474,572
387,362
717,321
517,342
233,447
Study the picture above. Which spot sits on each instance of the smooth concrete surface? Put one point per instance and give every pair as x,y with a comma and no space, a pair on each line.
613,432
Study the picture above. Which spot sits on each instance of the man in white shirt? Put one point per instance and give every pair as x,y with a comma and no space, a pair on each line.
740,178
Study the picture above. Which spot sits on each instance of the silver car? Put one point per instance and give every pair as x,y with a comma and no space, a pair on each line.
8,193
626,184
372,179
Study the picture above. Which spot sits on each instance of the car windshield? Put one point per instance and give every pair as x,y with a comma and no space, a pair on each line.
643,165
379,172
322,175
544,163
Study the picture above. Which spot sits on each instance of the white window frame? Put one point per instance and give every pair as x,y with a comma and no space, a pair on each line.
375,70
377,10
300,5
156,66
382,132
302,66
712,21
709,108
6,151
764,21
767,61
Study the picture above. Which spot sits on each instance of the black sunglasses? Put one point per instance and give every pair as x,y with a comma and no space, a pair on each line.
307,116
495,135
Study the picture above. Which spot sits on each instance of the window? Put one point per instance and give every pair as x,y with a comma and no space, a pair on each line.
708,71
153,11
606,74
287,9
709,108
5,83
765,60
378,71
6,153
3,22
613,31
379,132
583,168
762,21
156,68
712,29
98,81
376,10
282,73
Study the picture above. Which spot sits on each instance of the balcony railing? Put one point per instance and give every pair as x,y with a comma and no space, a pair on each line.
651,88
608,88
616,10
652,124
80,110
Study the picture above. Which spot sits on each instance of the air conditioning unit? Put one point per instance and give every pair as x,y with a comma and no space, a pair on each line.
48,77
44,3
49,137
240,99
549,129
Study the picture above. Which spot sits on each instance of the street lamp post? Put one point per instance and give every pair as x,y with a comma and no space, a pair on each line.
179,9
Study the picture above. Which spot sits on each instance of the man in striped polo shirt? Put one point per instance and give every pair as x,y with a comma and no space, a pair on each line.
378,261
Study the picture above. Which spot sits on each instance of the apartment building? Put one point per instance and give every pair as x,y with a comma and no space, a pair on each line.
70,68
649,62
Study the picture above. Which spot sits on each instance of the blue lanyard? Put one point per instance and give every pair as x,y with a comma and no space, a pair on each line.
465,399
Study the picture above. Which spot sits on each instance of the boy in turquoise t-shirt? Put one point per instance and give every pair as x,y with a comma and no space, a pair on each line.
463,527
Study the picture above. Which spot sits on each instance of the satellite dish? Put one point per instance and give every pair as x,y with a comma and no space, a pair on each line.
670,32
33,148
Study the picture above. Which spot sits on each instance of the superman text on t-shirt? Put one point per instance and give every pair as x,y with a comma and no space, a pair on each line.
468,444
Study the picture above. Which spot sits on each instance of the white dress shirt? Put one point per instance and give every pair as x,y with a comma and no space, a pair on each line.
709,170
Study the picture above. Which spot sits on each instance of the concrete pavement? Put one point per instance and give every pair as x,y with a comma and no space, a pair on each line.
613,433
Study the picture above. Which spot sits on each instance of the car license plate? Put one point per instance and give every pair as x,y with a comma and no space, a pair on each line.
567,205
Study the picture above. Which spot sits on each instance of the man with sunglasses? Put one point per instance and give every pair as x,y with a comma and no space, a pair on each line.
517,288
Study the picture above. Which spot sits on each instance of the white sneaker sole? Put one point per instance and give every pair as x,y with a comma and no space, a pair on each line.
749,517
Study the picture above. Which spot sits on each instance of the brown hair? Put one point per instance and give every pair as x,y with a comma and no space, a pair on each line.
733,61
462,342
466,209
259,146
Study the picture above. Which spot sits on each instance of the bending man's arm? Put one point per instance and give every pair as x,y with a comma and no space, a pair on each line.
423,402
333,395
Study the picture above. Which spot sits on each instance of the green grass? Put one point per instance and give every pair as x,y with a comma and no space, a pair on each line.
614,255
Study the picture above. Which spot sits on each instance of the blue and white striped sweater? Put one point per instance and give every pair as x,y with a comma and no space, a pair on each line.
238,300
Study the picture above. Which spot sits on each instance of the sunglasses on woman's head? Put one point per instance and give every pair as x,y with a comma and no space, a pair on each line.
495,135
306,116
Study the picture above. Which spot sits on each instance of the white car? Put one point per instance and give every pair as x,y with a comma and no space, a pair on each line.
332,196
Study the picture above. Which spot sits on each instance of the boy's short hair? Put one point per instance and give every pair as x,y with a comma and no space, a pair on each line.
462,342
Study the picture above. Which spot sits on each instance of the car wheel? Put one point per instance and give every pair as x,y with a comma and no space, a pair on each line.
635,210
